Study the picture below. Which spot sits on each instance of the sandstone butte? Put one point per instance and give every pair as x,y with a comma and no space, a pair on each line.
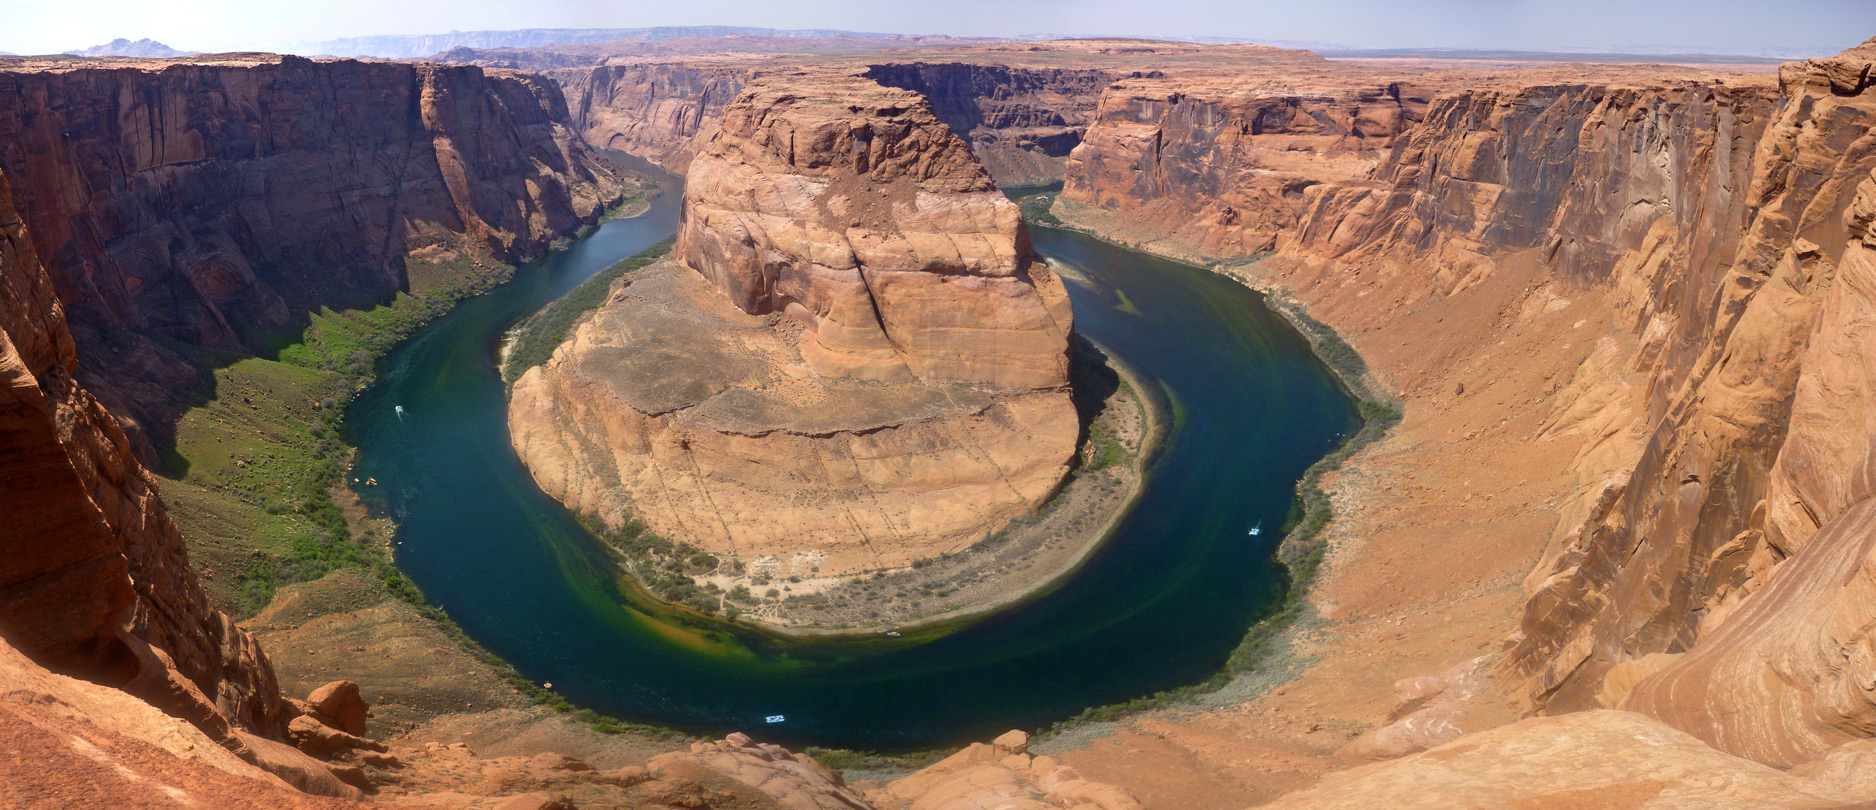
854,354
1620,543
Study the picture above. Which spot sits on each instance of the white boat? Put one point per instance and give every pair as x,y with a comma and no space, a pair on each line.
775,718
892,633
1256,530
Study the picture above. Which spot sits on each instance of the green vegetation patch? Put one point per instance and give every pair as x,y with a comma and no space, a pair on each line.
257,456
537,337
666,567
1035,209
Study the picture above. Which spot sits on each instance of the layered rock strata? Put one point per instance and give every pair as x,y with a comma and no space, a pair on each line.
661,111
1719,421
855,354
1021,121
94,578
217,202
1757,355
1588,759
1225,166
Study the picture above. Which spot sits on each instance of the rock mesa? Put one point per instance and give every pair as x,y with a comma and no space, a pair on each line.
855,352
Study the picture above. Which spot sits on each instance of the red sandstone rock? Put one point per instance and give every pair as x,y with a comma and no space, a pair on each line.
137,182
860,362
852,207
94,579
339,705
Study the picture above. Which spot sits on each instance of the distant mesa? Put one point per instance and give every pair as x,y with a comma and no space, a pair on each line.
142,48
423,45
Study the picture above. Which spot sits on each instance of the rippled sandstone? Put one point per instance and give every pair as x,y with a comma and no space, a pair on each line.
854,355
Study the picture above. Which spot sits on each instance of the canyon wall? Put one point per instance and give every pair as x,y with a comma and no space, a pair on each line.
662,112
216,203
1782,657
1710,562
855,356
94,579
1022,122
851,205
1224,165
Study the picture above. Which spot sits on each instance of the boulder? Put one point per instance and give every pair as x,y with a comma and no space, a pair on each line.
297,769
340,705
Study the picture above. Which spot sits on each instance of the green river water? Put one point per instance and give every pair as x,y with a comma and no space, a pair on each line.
1161,604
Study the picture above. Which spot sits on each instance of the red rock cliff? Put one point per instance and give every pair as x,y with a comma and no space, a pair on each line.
217,202
852,206
1723,226
662,112
94,579
855,358
1224,165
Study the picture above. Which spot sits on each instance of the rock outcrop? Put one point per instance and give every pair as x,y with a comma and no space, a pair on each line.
1784,680
76,744
1022,122
851,206
856,356
1001,774
793,781
661,111
1722,228
217,202
94,579
1750,331
1224,164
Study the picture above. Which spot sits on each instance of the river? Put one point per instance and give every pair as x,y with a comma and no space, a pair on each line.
1161,604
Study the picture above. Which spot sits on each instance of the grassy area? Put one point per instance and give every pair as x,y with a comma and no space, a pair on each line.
537,337
1035,208
666,567
1104,450
255,460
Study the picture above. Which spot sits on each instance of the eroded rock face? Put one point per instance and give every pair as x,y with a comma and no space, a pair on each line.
856,357
216,203
1781,680
851,206
1225,165
78,744
1022,122
94,579
1723,225
1001,774
661,111
791,780
1756,436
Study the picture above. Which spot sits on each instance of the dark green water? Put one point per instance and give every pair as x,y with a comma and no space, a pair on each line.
1160,605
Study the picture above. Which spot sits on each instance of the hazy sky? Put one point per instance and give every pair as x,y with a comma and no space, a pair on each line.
45,26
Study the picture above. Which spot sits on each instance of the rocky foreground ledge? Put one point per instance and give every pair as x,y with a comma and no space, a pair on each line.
854,361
